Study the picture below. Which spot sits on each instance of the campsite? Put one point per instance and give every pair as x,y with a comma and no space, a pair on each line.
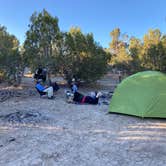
82,83
37,131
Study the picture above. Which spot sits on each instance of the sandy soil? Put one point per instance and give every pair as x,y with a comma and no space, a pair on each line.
36,131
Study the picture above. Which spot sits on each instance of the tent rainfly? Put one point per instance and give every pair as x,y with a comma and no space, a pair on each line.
142,94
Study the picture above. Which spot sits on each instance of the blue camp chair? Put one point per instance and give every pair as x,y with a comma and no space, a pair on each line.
41,92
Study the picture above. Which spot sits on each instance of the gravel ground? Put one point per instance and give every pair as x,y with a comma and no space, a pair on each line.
40,132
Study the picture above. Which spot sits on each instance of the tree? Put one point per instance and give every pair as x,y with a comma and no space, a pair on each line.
114,45
82,57
121,58
153,54
9,55
137,55
135,48
163,56
42,40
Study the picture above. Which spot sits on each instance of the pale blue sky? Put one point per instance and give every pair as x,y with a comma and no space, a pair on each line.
133,17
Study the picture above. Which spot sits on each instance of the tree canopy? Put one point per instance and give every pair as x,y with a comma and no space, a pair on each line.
69,53
74,53
9,54
42,38
137,55
83,57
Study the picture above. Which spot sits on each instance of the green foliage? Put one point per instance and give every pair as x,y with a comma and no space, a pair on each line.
115,44
9,55
42,39
153,54
135,48
82,57
71,53
121,58
150,54
76,54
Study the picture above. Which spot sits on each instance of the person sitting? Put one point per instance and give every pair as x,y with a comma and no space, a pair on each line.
80,98
46,89
74,86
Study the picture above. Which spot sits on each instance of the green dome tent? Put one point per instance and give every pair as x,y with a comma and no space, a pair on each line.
142,94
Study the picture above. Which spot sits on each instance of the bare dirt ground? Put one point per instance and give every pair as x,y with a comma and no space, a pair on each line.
36,131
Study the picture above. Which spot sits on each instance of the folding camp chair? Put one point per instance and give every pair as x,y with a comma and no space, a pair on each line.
41,92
